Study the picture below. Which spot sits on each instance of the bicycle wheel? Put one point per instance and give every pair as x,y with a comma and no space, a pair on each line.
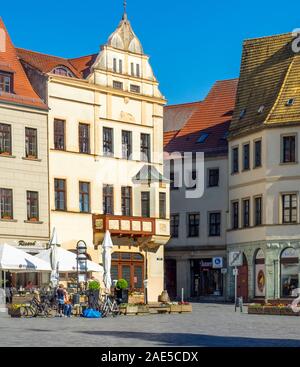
31,311
115,310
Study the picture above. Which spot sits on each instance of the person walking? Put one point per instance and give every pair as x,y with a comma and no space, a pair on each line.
60,295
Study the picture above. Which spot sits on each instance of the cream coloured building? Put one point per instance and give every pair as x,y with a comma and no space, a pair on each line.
24,204
264,172
196,253
105,130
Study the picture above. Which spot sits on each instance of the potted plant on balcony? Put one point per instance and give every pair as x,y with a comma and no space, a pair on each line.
122,290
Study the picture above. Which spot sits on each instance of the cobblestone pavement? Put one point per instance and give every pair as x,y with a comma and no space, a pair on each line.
208,325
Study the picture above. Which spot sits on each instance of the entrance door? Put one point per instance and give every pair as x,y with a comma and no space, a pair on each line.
242,280
171,278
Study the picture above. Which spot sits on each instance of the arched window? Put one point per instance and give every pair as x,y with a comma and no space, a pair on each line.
61,70
259,274
129,266
289,271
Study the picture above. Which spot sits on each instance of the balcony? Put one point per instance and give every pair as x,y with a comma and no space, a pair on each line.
138,228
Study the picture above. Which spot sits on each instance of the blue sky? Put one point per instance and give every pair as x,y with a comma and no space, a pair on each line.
192,43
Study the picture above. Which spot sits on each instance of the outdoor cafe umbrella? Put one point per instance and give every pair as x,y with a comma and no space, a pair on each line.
15,260
54,259
68,261
107,245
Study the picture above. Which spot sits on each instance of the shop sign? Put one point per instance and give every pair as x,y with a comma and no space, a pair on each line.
27,243
217,262
205,264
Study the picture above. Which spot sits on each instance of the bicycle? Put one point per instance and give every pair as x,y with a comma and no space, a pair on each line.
109,306
36,308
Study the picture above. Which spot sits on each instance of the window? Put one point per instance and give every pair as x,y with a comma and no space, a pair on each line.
289,208
289,273
135,88
174,225
115,65
60,194
59,134
108,199
84,197
6,82
6,203
132,69
32,206
257,211
257,153
235,160
145,203
213,177
214,224
235,215
162,205
290,102
246,213
84,138
126,201
126,144
145,147
289,149
108,142
5,139
128,266
31,149
138,73
246,157
62,71
120,66
202,138
193,225
117,85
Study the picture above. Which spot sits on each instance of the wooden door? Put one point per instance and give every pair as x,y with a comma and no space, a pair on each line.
242,281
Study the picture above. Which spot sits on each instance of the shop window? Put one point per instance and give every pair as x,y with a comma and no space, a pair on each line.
206,281
129,266
259,274
289,264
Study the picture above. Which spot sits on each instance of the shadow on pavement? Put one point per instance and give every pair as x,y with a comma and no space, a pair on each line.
201,340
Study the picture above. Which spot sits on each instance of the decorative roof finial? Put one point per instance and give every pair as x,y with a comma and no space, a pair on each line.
125,10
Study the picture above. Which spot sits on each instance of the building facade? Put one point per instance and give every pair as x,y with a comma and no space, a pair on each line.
196,253
106,161
264,170
24,192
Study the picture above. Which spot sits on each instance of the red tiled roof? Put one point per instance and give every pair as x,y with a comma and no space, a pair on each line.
213,116
45,63
175,116
23,92
168,136
83,64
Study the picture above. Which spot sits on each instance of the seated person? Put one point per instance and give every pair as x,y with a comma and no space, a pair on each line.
68,305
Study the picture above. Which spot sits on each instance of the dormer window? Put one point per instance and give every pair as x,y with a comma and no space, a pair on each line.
290,102
60,70
202,138
243,113
6,84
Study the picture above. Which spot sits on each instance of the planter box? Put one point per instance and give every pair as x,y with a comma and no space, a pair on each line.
132,310
143,309
271,310
176,308
187,308
15,312
255,310
123,310
287,311
17,300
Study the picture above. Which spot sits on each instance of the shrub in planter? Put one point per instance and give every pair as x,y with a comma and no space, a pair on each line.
93,293
122,290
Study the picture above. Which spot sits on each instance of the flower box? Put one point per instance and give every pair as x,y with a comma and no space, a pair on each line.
287,311
255,310
143,309
187,308
175,308
271,310
132,310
